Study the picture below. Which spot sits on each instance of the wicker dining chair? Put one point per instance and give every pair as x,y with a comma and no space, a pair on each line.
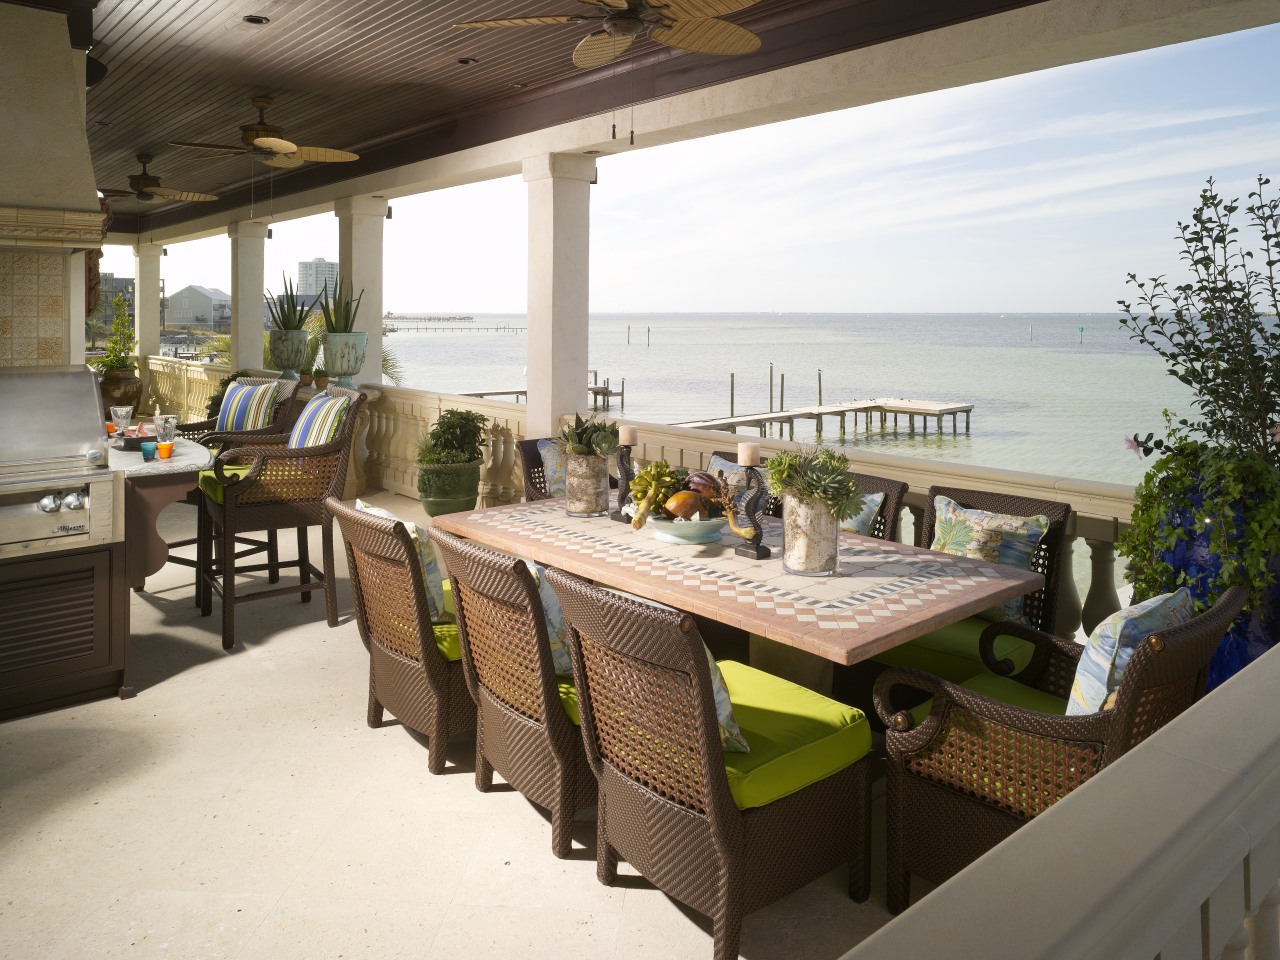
270,486
665,802
409,674
976,767
535,477
523,729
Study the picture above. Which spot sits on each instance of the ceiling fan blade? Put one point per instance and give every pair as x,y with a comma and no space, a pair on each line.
611,4
275,144
707,36
169,193
599,48
324,155
146,196
207,146
115,193
542,21
697,9
285,160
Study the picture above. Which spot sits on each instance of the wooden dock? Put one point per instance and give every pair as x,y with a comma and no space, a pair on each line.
882,407
601,395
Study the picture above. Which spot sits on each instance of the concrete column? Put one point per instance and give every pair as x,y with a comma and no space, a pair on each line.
146,297
360,222
559,246
248,290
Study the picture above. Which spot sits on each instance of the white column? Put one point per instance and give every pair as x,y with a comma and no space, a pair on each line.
559,246
248,241
75,308
146,297
360,222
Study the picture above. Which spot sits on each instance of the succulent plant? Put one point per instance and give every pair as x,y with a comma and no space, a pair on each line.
816,473
589,437
654,484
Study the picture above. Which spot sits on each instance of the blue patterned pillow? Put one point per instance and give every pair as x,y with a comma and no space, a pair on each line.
736,477
1111,645
319,422
557,629
553,467
431,578
994,537
246,407
861,524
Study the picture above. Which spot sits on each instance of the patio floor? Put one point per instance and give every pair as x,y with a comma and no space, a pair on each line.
239,807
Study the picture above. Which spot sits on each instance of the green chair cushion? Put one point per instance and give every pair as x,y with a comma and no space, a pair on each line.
1008,691
210,486
797,736
568,698
952,651
447,641
447,586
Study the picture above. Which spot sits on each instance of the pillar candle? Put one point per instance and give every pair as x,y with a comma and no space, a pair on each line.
749,454
628,436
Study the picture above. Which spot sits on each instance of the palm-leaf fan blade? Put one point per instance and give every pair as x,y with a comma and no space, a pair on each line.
610,4
699,9
168,193
285,161
707,36
599,48
324,155
275,144
542,21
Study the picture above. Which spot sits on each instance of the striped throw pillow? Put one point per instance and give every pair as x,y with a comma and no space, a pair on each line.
319,422
246,407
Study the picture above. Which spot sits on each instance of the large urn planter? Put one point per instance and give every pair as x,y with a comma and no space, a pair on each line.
811,537
119,388
586,486
448,487
289,351
344,356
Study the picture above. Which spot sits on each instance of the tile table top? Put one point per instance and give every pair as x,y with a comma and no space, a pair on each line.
883,594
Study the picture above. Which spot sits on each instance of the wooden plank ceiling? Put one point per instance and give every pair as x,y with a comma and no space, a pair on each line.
382,78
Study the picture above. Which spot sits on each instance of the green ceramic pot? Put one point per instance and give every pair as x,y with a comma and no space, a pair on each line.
449,487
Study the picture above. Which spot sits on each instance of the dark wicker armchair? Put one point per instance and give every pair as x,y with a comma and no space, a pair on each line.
535,479
975,768
281,487
522,728
408,674
665,802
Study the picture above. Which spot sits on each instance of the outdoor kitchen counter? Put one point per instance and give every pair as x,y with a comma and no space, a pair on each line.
148,489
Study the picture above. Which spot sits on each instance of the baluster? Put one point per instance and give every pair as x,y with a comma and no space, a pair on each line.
1264,927
1237,945
1102,600
917,523
490,481
1067,620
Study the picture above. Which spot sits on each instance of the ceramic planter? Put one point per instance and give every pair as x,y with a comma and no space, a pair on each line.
586,486
119,388
448,487
288,351
344,356
811,537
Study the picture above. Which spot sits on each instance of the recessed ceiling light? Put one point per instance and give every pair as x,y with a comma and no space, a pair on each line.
256,20
467,61
519,86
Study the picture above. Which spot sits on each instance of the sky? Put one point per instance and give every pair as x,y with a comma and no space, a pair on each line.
1033,193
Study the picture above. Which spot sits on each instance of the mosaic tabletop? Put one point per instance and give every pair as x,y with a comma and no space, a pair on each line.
883,594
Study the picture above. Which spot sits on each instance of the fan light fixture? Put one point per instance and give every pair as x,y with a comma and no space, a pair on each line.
256,20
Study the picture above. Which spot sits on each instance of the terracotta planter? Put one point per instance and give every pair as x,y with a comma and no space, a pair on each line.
288,351
811,537
586,486
321,382
344,356
119,388
449,487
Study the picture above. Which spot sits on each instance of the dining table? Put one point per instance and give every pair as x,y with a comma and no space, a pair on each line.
882,593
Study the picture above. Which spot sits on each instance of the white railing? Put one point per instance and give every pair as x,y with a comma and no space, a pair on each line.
182,386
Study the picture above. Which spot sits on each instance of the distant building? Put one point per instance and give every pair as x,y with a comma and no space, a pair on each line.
110,286
196,304
312,276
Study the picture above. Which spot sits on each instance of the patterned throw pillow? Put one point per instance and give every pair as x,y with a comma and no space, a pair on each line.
736,477
319,421
553,467
246,407
1111,645
994,537
862,523
557,629
431,578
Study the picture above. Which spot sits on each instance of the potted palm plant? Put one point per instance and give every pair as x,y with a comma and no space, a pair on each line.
343,346
1207,513
449,461
586,444
117,381
288,339
817,492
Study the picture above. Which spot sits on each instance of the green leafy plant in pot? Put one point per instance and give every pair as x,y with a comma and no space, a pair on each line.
288,340
1207,513
343,346
449,460
817,492
117,381
586,445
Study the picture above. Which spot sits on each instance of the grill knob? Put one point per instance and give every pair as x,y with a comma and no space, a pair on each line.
73,501
50,503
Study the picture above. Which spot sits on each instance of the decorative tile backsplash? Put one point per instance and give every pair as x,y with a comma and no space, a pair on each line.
33,309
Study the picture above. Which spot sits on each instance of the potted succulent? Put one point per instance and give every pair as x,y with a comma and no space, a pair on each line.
117,382
1207,514
343,346
817,492
449,461
288,339
586,444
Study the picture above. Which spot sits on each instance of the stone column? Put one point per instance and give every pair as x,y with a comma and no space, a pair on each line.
75,308
559,235
248,291
146,297
360,221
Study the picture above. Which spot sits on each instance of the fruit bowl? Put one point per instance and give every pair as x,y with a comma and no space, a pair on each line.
686,531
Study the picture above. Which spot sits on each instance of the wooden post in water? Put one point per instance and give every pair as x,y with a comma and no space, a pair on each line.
819,388
648,336
770,396
628,334
731,393
782,392
622,396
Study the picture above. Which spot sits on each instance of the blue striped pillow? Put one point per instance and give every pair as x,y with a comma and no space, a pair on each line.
319,422
246,407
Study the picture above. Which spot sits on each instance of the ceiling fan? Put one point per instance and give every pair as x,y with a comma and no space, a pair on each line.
266,142
146,187
692,25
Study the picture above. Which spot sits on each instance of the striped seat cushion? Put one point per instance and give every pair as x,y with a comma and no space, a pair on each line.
320,420
246,407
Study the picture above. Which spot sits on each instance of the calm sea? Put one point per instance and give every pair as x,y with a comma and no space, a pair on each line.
1052,393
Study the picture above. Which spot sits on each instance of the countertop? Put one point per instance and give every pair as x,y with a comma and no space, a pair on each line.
188,457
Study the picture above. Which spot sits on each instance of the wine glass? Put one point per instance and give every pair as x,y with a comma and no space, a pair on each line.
120,417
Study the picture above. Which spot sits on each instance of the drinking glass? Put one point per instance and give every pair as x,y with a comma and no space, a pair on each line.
120,416
166,427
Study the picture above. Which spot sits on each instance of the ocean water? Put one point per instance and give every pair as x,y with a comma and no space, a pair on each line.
1048,397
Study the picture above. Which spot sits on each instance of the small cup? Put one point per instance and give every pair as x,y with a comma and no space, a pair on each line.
165,449
120,416
166,425
149,450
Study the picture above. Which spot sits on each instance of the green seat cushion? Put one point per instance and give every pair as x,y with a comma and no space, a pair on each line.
797,736
1008,691
210,486
952,651
568,698
447,640
447,587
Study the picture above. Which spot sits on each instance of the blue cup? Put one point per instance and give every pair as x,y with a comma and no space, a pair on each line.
148,450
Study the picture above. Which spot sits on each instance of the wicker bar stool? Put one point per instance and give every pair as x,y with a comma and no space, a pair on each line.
526,725
996,751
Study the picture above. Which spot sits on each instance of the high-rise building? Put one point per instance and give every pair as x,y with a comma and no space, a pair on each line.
313,274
